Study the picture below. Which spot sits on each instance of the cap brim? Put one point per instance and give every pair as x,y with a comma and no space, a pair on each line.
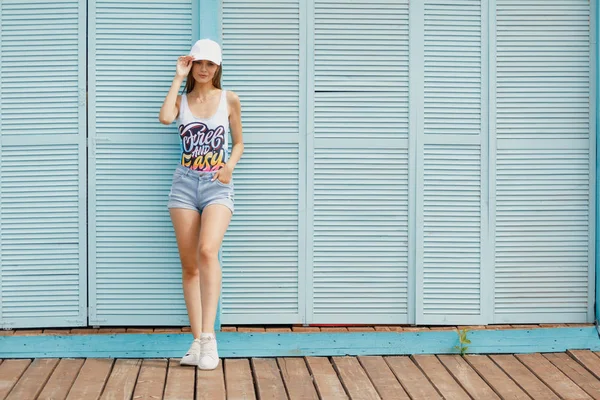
208,59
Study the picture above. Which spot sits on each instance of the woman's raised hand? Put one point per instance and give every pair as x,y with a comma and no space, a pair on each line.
184,64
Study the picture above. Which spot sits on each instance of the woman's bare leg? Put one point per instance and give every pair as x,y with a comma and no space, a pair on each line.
215,221
187,231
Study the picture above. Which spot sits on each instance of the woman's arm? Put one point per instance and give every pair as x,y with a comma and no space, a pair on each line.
235,126
170,108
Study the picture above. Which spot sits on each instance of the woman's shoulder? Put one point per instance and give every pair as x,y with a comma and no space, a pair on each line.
232,97
233,102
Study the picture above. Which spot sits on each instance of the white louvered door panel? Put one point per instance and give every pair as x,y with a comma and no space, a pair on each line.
263,251
543,162
451,168
42,164
358,163
135,273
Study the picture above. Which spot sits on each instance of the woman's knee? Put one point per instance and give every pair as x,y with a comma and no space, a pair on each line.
208,252
189,267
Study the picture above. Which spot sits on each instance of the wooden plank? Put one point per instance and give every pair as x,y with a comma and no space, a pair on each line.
383,378
10,372
440,377
354,378
91,379
238,379
286,345
121,381
180,381
269,382
496,378
33,379
62,379
151,381
327,381
553,377
297,379
412,379
467,377
28,332
576,373
588,359
524,377
210,384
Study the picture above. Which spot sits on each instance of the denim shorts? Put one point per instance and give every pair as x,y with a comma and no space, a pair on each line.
195,190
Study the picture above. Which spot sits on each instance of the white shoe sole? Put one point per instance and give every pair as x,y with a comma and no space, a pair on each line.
188,362
208,366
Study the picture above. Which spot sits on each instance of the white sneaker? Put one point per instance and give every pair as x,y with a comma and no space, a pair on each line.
192,357
209,357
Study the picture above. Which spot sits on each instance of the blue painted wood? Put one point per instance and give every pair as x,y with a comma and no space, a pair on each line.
597,49
134,267
263,254
233,344
453,258
210,19
219,308
209,26
357,259
542,161
43,206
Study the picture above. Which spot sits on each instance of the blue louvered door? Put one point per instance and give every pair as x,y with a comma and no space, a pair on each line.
542,130
263,257
42,164
453,269
430,162
135,274
358,162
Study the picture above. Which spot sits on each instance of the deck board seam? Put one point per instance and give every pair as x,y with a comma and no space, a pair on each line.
459,383
511,378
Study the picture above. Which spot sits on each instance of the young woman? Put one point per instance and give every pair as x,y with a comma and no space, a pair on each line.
201,197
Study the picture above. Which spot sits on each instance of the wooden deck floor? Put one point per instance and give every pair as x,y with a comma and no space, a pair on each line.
571,375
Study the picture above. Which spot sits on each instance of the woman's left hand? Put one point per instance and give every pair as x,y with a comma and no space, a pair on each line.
223,174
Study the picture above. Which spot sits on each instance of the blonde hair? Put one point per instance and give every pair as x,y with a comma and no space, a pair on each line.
189,85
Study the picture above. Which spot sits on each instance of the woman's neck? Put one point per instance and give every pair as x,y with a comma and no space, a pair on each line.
202,90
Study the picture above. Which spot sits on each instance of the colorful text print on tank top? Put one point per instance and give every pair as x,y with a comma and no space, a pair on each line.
202,149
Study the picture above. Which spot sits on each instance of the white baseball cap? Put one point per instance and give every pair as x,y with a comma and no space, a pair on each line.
206,49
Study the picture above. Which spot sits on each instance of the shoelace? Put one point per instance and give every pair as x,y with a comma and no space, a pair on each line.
194,348
209,346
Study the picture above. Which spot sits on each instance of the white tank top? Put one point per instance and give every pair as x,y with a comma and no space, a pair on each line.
204,144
